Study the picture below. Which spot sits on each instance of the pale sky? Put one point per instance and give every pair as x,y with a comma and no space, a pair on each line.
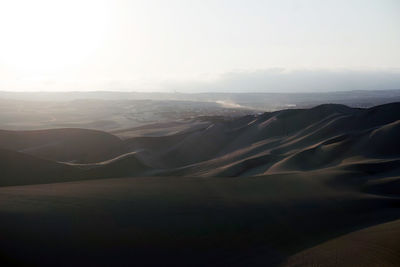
204,45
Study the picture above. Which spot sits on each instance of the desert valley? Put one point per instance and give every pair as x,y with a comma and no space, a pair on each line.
292,187
200,133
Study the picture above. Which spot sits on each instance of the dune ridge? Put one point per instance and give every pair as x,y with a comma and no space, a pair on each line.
317,186
295,140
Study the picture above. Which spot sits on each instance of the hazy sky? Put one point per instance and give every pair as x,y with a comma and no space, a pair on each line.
186,45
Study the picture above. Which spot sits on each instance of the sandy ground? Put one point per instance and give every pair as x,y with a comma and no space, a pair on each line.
300,187
183,221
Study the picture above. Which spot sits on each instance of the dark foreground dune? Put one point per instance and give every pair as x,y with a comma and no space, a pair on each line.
183,221
306,187
373,246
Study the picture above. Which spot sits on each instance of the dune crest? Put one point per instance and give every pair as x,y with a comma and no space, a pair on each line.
323,137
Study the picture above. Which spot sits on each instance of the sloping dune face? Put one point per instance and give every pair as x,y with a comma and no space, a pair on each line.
325,137
62,155
309,187
373,246
19,169
76,145
290,140
184,221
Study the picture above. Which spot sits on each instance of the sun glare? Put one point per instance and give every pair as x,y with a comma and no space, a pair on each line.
43,36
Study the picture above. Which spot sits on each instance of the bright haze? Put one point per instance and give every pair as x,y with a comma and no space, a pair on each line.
199,46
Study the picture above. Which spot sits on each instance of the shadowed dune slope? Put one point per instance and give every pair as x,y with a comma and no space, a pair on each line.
288,140
77,145
19,169
374,246
125,165
326,136
183,221
319,186
381,142
22,169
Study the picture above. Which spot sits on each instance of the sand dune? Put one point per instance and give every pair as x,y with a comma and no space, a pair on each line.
325,137
307,186
259,221
19,168
374,246
283,141
78,145
378,142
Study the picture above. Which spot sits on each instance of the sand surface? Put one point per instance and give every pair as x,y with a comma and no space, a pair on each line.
182,221
300,187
